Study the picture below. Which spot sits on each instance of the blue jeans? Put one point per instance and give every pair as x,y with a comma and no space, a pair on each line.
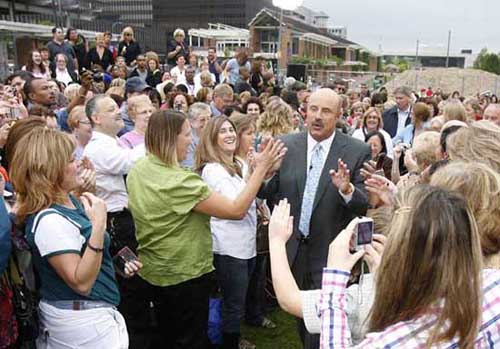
256,299
233,275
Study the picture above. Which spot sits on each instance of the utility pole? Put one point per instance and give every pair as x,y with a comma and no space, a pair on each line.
448,51
416,54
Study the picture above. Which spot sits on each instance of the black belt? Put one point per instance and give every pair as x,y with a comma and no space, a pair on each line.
116,214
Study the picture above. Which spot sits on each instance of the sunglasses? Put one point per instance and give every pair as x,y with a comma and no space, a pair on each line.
128,34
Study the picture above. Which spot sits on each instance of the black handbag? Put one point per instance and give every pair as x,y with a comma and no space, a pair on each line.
25,305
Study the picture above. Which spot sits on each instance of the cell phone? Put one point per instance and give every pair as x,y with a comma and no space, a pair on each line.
380,161
363,234
178,107
123,256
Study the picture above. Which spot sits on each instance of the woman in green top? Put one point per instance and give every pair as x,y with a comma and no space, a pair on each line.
172,207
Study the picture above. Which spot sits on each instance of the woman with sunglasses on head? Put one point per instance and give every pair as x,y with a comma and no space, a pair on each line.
128,47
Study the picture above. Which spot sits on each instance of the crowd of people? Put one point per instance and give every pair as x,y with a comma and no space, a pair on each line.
134,192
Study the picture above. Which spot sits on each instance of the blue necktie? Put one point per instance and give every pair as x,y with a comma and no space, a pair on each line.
310,189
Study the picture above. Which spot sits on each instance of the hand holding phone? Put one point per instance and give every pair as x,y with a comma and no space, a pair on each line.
363,233
126,262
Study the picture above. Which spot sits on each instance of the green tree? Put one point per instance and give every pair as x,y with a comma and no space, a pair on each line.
488,61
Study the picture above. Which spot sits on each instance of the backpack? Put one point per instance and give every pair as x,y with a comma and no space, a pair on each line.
9,331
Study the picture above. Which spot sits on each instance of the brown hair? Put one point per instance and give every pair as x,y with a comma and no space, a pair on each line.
18,131
480,185
202,94
161,135
208,149
425,248
421,112
368,112
38,172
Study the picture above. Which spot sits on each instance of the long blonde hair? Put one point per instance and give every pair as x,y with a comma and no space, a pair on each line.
37,172
432,257
208,150
480,185
276,120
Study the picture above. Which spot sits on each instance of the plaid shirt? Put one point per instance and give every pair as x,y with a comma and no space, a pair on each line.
335,331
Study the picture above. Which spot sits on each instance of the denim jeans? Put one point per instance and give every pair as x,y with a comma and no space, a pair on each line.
256,298
233,275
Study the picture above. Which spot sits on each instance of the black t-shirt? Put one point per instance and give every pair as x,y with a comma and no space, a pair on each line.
130,51
171,46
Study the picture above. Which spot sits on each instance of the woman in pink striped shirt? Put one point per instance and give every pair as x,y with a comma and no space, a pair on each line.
431,290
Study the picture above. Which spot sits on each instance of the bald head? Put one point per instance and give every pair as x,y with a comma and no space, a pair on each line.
323,109
492,113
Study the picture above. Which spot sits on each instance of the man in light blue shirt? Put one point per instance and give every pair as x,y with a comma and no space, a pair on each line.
234,65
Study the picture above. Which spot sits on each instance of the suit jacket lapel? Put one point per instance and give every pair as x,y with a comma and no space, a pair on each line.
336,152
301,164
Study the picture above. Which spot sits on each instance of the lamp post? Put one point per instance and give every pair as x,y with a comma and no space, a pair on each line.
289,5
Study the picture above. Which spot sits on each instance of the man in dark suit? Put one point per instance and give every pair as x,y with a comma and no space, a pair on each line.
320,177
398,117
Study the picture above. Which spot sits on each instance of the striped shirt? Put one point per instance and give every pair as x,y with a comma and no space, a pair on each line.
335,331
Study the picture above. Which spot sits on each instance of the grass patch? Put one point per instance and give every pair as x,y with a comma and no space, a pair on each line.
285,336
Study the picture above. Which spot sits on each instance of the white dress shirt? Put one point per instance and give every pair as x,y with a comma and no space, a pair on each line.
326,144
111,163
231,238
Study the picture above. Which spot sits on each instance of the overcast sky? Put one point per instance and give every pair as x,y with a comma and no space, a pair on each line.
397,24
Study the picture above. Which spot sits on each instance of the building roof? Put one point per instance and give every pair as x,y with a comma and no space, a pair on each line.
302,26
220,31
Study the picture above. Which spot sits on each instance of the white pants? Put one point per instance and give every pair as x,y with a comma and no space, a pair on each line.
70,329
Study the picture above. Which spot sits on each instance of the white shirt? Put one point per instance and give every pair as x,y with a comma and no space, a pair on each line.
63,76
111,163
326,144
231,238
403,115
359,134
180,75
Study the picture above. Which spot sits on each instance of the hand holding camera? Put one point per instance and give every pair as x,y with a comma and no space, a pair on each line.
339,253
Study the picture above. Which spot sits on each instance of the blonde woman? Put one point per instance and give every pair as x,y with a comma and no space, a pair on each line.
455,110
177,47
480,185
70,246
128,47
100,54
276,120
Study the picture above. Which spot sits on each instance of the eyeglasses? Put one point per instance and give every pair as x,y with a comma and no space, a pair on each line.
84,122
128,34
